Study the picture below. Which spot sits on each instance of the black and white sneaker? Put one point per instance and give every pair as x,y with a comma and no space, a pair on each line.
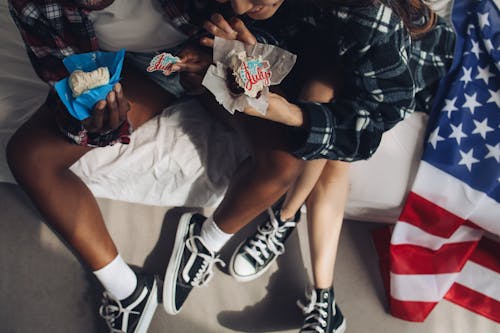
321,313
256,254
191,264
134,313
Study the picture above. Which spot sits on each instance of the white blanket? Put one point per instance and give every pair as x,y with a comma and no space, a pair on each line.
184,158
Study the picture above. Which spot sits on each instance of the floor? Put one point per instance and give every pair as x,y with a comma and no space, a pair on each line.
45,289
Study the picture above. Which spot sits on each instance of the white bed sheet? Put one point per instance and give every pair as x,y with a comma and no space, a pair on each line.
182,158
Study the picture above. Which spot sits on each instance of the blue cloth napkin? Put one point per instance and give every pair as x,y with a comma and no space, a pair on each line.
81,106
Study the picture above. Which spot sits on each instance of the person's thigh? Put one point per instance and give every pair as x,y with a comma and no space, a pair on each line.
38,143
41,138
260,134
147,99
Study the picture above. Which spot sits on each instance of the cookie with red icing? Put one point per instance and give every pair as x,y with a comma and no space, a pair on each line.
247,75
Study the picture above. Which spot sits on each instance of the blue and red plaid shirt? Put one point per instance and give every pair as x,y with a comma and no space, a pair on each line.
53,30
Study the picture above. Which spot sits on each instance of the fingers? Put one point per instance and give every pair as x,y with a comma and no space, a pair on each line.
243,34
208,42
108,114
95,122
193,60
123,104
218,26
235,29
192,67
113,120
189,54
222,24
188,59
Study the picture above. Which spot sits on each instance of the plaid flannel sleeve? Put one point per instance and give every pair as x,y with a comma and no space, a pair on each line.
51,33
377,94
44,44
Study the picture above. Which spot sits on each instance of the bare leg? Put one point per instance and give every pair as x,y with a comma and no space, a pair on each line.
325,185
262,179
301,188
325,212
321,92
40,157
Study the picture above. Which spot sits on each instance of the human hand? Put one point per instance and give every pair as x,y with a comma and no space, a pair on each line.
279,110
109,114
235,29
193,67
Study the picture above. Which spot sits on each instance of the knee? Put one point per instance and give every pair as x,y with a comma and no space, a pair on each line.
280,167
317,91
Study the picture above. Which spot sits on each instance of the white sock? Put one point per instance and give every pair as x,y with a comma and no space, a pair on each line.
212,236
117,278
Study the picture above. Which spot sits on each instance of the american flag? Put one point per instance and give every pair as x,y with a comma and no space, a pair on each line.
446,243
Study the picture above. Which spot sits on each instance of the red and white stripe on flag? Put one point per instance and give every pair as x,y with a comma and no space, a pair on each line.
477,287
436,254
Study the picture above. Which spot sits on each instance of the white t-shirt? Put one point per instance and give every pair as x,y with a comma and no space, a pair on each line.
138,26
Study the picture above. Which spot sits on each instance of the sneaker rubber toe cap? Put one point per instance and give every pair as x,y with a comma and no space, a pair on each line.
242,267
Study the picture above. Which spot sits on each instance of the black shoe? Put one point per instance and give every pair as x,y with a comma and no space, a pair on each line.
191,264
134,313
322,315
256,254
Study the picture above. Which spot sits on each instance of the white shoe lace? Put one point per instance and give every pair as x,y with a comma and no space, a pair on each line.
316,314
111,309
206,270
267,239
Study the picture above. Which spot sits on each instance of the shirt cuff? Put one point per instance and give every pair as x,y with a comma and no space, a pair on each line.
317,133
73,130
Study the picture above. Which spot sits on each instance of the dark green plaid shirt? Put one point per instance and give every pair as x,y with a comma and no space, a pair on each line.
385,74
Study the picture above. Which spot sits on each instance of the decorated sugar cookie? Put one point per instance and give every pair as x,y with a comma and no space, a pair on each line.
163,62
248,75
241,74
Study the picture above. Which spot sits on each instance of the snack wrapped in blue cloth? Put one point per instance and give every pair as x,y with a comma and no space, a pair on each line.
80,106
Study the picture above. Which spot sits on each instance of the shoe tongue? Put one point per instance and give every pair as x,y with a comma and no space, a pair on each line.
322,295
198,223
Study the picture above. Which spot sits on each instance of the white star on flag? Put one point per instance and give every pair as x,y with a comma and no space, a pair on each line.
471,102
482,128
467,77
484,74
457,133
475,49
494,97
494,152
483,20
434,138
450,106
455,197
467,159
